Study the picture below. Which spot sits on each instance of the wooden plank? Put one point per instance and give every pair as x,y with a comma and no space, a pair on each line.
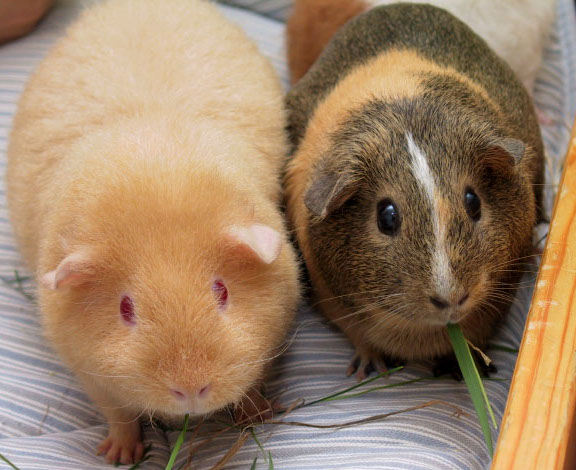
538,426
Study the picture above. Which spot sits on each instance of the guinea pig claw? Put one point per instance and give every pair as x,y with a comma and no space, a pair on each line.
123,444
363,364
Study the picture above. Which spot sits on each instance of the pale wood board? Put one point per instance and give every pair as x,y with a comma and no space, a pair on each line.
538,424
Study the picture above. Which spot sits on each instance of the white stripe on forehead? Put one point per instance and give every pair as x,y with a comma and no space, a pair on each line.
442,273
420,168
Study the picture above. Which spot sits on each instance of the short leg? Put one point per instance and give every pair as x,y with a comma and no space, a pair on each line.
366,361
123,444
447,365
124,441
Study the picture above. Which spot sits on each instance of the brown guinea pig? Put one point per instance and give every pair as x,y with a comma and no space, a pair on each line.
143,184
415,182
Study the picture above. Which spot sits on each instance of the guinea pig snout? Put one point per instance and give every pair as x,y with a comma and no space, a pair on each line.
192,398
455,302
183,394
450,308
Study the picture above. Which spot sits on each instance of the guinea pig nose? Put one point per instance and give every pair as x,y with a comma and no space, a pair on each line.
463,299
178,394
439,302
204,391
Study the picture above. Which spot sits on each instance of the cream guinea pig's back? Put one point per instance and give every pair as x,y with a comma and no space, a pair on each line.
212,71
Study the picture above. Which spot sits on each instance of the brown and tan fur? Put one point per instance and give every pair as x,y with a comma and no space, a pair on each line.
349,117
516,30
139,155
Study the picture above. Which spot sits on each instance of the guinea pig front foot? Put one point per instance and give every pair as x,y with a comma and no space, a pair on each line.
366,361
448,365
123,444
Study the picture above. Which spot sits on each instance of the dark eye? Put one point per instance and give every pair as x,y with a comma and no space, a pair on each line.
221,293
127,310
472,203
388,217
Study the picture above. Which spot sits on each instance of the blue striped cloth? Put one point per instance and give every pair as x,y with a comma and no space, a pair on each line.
47,422
277,9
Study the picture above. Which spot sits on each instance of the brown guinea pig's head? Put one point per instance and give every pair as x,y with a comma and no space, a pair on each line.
170,292
419,210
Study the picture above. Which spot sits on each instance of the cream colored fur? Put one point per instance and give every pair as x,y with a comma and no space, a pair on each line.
151,131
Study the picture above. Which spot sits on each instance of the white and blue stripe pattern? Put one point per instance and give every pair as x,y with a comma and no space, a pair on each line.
47,422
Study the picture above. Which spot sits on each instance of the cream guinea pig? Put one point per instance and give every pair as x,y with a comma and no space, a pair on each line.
143,186
415,182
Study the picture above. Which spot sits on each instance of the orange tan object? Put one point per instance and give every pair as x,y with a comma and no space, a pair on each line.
538,429
19,17
311,27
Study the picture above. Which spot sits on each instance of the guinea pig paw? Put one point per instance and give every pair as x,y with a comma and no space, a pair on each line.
449,366
484,369
123,444
364,363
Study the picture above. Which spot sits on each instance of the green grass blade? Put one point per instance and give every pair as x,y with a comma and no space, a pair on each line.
473,382
258,443
253,466
8,462
354,387
382,387
178,444
270,461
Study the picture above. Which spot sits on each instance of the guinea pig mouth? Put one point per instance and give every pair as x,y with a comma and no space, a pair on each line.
457,316
193,409
453,315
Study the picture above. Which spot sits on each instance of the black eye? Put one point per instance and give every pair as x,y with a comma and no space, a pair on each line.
388,217
472,203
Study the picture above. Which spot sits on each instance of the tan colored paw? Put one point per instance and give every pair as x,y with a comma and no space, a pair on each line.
123,444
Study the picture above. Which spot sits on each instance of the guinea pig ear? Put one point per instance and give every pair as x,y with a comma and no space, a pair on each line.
328,192
258,240
74,270
504,153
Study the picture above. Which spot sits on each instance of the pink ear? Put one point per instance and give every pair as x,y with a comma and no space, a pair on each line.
74,270
262,240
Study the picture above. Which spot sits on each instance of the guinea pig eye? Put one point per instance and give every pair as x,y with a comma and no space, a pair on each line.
221,293
388,217
127,310
472,203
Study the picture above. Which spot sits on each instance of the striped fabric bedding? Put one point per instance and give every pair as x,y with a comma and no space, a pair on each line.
277,9
47,422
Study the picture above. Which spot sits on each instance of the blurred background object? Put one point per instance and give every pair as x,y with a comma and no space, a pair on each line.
19,17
